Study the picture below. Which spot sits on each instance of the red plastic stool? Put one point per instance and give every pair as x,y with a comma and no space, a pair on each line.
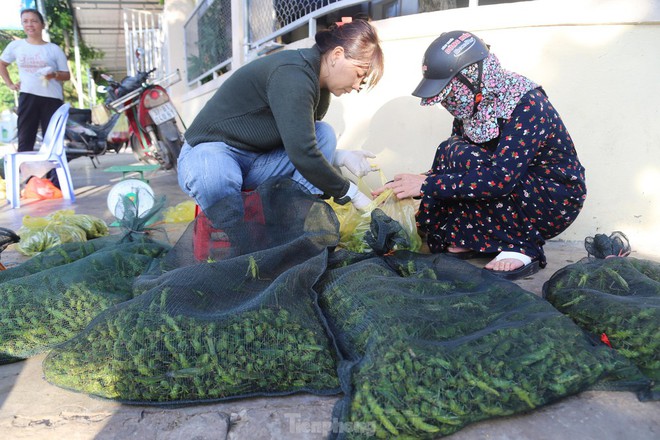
206,237
209,241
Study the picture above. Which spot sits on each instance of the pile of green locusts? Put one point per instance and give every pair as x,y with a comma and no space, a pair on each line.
617,299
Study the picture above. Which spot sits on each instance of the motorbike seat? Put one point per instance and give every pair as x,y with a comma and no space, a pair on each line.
80,115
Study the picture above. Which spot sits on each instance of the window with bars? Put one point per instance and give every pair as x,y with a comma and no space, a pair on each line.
208,39
208,31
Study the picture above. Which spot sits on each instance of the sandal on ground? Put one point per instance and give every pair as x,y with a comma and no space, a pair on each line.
530,266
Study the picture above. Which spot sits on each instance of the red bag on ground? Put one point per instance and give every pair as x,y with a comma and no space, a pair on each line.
38,188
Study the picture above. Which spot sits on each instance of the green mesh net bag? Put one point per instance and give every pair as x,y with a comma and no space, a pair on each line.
617,299
239,322
54,295
430,344
257,299
58,292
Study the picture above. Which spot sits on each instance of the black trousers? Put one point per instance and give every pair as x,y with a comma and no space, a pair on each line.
34,112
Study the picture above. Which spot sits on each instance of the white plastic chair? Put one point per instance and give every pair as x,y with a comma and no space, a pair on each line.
52,150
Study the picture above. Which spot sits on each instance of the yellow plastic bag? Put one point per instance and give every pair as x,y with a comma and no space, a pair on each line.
353,224
352,227
62,226
403,211
34,241
184,212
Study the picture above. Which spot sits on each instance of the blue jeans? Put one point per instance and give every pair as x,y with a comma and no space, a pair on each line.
211,171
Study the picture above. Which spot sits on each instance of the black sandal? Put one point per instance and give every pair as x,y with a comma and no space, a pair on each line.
521,272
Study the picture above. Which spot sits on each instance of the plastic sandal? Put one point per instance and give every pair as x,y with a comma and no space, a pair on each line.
527,269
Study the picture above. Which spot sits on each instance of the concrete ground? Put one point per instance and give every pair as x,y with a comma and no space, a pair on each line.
31,408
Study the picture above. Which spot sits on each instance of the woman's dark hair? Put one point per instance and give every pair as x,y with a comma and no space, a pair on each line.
35,12
360,42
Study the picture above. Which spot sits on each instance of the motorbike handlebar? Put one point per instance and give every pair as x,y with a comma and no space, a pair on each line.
119,98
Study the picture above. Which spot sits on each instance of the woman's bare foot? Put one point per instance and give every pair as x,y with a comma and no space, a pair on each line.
504,265
513,265
508,262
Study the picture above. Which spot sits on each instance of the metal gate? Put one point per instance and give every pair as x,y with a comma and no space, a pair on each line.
144,30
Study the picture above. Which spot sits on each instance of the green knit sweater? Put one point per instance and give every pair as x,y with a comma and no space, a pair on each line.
269,103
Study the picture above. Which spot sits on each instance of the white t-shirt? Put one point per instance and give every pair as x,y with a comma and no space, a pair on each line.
30,58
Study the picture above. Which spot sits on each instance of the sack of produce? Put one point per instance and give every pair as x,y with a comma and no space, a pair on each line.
354,225
53,296
618,300
63,226
243,326
435,343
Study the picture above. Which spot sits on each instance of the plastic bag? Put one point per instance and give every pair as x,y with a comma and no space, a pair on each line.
62,226
184,212
100,114
354,224
403,211
119,132
42,189
42,73
34,241
94,227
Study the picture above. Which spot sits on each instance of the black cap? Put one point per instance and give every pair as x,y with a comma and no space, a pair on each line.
450,53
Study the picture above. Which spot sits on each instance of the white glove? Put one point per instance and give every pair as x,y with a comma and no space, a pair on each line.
355,161
359,199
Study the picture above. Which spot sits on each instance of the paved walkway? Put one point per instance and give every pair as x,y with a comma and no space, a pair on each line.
30,408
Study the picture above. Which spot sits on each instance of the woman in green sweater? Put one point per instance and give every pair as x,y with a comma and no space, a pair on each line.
265,121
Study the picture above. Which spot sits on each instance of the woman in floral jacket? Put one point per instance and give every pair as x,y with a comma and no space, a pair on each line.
508,178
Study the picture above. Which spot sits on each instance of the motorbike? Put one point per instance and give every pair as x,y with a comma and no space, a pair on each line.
152,129
84,139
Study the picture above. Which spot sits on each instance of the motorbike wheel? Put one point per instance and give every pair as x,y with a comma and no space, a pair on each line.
173,149
170,137
142,154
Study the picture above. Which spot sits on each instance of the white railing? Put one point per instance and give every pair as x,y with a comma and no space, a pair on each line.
208,29
144,30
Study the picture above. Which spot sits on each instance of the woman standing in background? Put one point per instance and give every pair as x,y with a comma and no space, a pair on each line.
42,67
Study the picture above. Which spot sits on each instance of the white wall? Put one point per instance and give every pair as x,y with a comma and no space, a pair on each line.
175,14
597,60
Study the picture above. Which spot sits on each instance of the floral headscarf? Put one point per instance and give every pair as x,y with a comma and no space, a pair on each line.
501,91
